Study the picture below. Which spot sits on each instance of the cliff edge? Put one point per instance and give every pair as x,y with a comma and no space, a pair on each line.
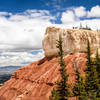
74,40
35,81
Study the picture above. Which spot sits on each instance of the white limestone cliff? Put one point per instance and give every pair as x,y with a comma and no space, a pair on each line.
74,40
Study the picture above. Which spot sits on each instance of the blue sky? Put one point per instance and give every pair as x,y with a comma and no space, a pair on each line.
23,24
22,5
54,6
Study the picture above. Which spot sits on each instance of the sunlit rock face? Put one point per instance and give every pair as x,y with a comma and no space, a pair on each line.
74,40
35,81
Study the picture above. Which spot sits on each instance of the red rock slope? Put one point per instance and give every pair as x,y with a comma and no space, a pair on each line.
35,81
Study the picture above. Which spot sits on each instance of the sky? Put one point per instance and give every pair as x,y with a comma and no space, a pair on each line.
23,24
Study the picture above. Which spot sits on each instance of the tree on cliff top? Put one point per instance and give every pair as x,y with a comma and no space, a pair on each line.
62,89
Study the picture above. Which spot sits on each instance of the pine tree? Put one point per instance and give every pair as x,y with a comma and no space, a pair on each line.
87,27
80,26
79,87
88,57
63,86
62,89
98,71
54,95
92,80
98,63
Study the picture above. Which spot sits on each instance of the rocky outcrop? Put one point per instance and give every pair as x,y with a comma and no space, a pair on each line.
35,81
74,40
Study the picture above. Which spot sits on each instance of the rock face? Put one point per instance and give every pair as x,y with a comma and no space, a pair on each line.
74,40
35,81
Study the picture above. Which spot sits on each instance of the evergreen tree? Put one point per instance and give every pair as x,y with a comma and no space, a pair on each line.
86,27
98,63
62,89
54,95
88,56
80,26
98,71
92,80
79,87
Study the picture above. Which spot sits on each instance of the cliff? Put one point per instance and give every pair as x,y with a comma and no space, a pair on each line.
74,40
35,81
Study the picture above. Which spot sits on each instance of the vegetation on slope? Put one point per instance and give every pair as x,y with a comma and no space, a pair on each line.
85,88
62,90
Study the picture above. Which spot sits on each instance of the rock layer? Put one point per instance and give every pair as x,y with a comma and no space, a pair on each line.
35,81
74,40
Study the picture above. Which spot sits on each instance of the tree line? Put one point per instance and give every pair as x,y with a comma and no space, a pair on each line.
85,88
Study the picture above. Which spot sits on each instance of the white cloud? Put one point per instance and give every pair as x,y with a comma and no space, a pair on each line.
5,14
67,17
92,23
22,32
55,4
80,11
19,58
94,12
72,17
